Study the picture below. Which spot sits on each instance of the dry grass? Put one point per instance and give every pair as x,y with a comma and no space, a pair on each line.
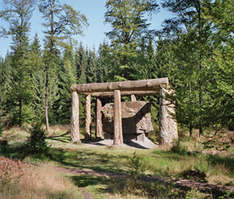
127,196
39,182
44,182
15,135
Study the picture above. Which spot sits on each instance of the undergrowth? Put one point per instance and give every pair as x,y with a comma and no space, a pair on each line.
20,180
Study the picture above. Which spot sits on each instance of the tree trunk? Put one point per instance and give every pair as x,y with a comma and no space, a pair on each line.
99,119
88,116
133,98
200,66
75,123
118,132
47,99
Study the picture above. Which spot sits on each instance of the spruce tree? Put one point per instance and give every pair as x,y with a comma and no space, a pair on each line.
128,19
37,78
61,22
17,15
67,77
192,33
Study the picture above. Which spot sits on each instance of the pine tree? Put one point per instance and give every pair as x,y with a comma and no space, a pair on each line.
81,61
37,78
67,77
192,33
91,70
17,14
220,70
104,63
5,84
61,22
129,23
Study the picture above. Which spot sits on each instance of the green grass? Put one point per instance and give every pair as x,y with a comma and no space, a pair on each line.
159,163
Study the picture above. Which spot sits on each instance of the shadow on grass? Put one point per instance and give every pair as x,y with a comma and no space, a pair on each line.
227,162
87,180
212,160
109,162
65,137
128,186
86,159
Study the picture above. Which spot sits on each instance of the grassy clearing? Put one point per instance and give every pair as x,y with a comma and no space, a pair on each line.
20,180
186,157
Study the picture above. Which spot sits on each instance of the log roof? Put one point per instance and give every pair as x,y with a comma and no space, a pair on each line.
137,87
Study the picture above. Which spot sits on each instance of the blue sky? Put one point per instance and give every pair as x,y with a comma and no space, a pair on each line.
93,35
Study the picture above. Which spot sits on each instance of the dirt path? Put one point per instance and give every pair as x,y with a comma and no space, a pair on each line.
86,194
181,183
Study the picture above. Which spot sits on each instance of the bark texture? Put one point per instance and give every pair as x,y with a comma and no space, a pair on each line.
75,126
139,85
118,133
88,115
168,126
99,119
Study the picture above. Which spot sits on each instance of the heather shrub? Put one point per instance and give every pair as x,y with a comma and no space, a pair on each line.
20,180
10,172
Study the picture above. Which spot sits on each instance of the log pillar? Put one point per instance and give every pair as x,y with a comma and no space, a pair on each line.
99,119
75,126
133,98
168,126
88,116
118,132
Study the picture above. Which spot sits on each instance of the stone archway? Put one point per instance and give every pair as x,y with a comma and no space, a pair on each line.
168,126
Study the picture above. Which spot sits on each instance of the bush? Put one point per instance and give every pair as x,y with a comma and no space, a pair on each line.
137,166
37,141
3,146
194,174
179,149
1,129
10,172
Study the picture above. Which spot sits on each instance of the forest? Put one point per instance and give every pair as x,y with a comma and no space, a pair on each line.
193,48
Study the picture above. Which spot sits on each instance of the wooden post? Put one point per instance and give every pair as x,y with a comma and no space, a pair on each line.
75,126
99,119
88,115
133,98
168,126
118,133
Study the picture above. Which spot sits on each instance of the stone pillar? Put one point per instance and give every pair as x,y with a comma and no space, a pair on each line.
75,126
99,119
88,115
118,132
168,126
133,98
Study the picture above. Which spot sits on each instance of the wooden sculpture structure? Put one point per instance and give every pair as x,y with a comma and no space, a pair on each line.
168,126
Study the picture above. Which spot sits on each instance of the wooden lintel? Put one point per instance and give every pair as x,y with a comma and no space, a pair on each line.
123,93
122,86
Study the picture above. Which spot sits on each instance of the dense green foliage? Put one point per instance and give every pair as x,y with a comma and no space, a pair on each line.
194,49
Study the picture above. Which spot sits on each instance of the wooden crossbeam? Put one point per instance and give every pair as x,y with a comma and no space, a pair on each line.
133,86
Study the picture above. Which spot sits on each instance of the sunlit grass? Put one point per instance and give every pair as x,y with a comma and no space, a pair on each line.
38,182
162,163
